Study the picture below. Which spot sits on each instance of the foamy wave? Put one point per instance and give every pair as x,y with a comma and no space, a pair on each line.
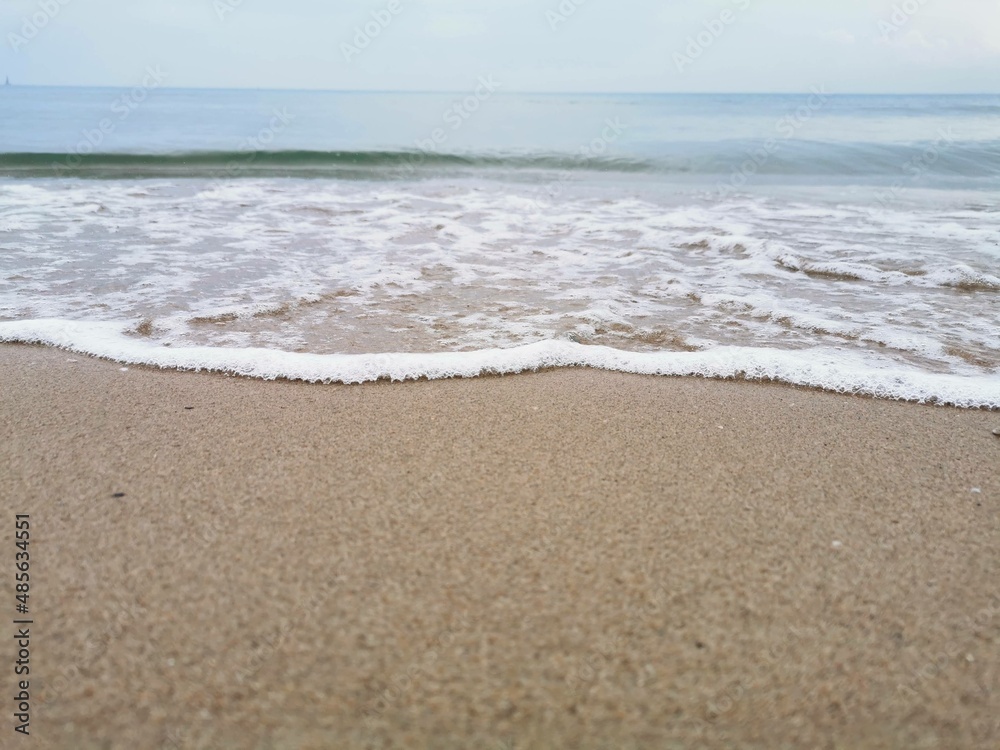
826,368
323,267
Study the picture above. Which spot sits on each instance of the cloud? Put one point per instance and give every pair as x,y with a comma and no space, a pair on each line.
604,46
920,40
915,40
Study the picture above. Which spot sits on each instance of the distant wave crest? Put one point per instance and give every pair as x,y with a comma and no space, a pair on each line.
722,160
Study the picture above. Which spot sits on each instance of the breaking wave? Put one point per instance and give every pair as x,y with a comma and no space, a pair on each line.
895,162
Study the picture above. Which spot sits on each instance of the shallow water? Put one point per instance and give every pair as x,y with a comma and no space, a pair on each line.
858,265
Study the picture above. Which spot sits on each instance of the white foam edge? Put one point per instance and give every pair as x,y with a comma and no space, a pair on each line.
825,368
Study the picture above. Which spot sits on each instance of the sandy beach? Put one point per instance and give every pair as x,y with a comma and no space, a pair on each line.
565,559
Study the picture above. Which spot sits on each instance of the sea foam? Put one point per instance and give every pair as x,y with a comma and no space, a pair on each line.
287,278
828,369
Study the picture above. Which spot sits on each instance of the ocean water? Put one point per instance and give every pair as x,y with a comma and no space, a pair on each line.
848,243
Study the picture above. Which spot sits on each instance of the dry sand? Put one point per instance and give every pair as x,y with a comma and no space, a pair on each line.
555,560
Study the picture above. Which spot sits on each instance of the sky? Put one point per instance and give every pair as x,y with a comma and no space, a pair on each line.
864,46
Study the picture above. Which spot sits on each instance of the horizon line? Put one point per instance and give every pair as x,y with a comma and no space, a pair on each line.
510,92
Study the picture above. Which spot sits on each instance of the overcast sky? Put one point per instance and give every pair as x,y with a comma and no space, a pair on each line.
527,45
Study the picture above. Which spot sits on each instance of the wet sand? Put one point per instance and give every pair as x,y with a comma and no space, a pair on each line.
567,559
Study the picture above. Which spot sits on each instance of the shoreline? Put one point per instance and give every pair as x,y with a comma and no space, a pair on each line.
794,368
568,558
